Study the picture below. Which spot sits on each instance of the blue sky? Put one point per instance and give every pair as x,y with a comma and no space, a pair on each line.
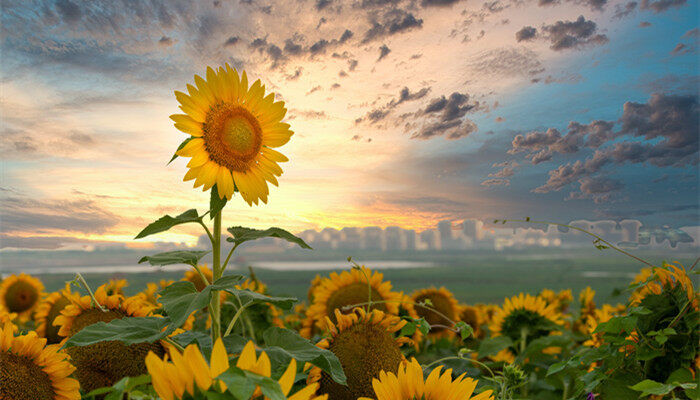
405,112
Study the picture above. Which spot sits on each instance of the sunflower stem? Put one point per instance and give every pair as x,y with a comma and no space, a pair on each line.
461,358
217,272
174,344
93,300
233,320
369,285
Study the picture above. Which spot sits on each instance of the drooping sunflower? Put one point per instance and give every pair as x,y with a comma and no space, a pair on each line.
21,294
472,316
669,277
348,288
31,370
365,344
116,286
525,315
233,129
105,363
442,301
48,310
409,383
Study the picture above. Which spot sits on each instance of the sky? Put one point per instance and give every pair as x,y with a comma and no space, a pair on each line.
404,112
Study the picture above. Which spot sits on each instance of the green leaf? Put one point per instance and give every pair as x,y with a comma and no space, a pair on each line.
241,234
556,367
240,382
181,299
215,203
648,387
286,344
233,343
491,346
175,257
423,326
410,328
167,222
249,297
126,385
128,330
184,142
536,346
465,330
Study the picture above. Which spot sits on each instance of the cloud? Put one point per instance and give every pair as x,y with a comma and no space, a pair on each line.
599,189
565,35
526,33
383,52
662,5
232,40
70,11
622,11
405,95
444,116
394,21
507,62
667,123
496,182
438,3
166,41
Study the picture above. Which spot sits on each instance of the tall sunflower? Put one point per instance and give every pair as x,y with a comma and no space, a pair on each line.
105,363
233,129
351,288
365,344
525,315
21,294
48,310
472,316
30,370
408,383
442,301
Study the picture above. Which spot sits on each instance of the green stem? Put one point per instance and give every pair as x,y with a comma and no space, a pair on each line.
612,246
233,320
93,300
351,306
174,344
369,285
523,345
217,273
211,238
461,358
228,257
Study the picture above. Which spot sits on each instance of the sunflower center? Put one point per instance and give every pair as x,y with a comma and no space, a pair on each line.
105,363
442,305
363,350
51,330
232,136
354,293
22,379
21,296
518,320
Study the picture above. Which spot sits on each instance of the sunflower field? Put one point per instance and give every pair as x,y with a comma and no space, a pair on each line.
217,334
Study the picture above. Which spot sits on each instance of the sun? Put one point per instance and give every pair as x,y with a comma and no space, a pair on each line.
31,370
365,343
233,129
21,294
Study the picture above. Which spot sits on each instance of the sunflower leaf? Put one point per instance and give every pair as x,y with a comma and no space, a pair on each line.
167,222
241,234
216,204
175,257
183,144
248,298
241,384
128,330
493,345
284,344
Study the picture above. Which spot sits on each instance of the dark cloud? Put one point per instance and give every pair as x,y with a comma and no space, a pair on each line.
573,34
439,3
383,52
28,215
313,89
166,41
526,33
622,11
599,189
692,33
321,4
662,5
70,11
505,172
232,40
444,116
352,64
667,123
644,24
405,95
391,22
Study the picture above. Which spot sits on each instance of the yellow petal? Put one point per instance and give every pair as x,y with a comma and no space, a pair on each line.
219,358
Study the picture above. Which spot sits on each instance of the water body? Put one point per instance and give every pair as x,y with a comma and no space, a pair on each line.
271,265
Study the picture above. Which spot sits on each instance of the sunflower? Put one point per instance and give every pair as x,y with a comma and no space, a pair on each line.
7,317
669,277
233,129
472,316
603,314
104,363
30,370
562,299
349,288
407,308
21,294
442,301
365,345
116,286
409,383
193,276
48,309
274,313
150,294
525,315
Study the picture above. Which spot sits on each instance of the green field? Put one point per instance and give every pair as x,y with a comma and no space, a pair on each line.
478,277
